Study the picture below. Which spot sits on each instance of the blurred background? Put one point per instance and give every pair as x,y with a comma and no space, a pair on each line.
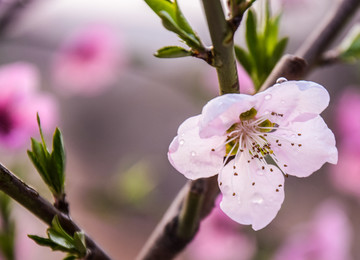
87,67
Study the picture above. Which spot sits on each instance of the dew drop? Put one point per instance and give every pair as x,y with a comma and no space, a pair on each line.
260,172
268,97
281,80
182,141
257,199
225,189
193,153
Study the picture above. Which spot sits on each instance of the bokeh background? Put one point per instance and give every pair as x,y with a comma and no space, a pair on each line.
119,108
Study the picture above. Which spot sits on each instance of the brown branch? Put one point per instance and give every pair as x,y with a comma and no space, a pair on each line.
9,11
314,47
163,242
40,207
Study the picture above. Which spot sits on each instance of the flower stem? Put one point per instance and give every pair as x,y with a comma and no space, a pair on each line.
223,46
189,216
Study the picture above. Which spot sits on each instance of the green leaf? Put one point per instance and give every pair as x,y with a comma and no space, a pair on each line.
70,257
350,46
251,33
172,52
79,242
58,160
173,20
59,240
278,51
244,59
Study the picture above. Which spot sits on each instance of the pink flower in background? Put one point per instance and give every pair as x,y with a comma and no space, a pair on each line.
20,100
347,117
88,61
346,174
220,238
326,237
236,133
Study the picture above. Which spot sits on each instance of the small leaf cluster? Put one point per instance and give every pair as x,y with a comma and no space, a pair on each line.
350,47
51,166
59,240
264,47
173,20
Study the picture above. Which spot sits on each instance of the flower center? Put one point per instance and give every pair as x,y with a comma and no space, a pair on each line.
249,134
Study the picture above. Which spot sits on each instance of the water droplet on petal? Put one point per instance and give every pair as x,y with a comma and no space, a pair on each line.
225,189
260,172
266,112
239,200
281,80
182,141
257,199
268,97
193,153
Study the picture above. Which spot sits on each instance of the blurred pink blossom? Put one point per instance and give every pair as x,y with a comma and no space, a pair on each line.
346,174
326,237
220,238
88,61
246,84
20,100
348,123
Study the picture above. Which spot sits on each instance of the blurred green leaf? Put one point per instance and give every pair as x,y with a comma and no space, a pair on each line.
244,59
251,34
172,52
350,47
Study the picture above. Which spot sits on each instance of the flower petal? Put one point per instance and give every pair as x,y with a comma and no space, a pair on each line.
310,144
193,156
295,100
223,111
253,195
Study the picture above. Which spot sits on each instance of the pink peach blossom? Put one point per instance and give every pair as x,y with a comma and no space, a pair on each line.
326,237
20,100
220,238
237,134
88,61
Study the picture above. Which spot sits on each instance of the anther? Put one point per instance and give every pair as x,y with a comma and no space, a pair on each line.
234,194
248,161
299,134
280,185
220,183
234,167
285,165
235,173
299,145
263,167
271,170
292,144
277,190
253,183
213,150
279,144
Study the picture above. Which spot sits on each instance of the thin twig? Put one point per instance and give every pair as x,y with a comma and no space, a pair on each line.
40,207
314,47
10,11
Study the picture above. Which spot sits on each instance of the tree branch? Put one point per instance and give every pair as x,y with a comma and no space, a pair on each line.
315,46
40,207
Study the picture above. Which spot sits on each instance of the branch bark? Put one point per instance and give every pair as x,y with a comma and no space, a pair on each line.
40,207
